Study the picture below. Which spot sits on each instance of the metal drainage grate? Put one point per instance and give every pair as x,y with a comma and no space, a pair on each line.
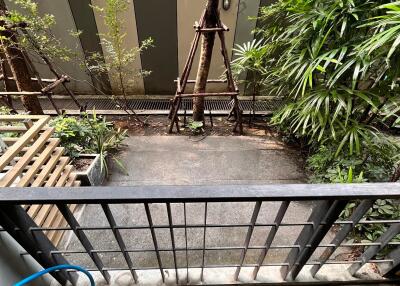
163,104
160,105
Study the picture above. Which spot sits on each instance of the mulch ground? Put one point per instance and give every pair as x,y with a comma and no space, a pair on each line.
158,125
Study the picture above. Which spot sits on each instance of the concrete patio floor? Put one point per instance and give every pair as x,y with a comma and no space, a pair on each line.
179,160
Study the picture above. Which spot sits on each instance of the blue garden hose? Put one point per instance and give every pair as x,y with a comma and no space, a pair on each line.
55,268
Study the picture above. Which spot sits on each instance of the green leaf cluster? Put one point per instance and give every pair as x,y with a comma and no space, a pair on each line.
196,127
117,60
39,38
89,134
336,63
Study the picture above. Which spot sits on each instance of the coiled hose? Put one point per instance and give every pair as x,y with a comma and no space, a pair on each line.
55,268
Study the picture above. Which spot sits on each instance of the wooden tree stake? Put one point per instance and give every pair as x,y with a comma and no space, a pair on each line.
208,26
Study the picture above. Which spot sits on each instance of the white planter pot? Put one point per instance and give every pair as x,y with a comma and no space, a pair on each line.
94,175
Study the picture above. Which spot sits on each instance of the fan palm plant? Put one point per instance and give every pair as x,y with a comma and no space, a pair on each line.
332,67
337,64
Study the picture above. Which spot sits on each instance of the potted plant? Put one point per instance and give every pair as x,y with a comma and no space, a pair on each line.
90,141
89,170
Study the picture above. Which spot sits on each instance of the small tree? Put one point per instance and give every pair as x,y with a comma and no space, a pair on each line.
16,61
207,47
118,59
250,62
36,37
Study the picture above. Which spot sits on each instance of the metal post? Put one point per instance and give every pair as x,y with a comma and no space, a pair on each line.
393,271
204,242
69,217
120,241
332,215
253,220
171,229
153,236
278,220
316,217
373,250
357,215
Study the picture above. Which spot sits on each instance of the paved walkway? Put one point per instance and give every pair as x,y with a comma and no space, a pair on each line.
178,160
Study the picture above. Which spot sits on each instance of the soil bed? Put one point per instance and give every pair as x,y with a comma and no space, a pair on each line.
158,124
82,164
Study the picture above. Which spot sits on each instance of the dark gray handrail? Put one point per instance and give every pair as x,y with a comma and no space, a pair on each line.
234,193
330,199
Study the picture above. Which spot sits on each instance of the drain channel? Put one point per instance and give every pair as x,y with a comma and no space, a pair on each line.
161,106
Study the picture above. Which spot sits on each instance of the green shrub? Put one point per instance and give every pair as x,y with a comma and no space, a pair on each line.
73,133
376,161
337,65
89,134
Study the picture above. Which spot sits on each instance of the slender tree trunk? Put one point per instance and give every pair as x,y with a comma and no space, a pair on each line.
396,175
19,68
207,46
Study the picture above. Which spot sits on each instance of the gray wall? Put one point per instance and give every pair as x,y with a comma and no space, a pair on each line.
169,22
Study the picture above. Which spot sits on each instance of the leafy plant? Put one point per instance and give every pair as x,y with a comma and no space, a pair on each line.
4,110
376,162
196,127
118,59
336,62
104,140
319,54
74,134
36,36
337,68
90,134
381,210
250,61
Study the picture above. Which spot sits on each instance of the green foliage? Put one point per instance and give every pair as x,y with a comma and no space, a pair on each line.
337,64
337,68
4,110
333,89
39,38
89,134
196,127
73,133
375,162
118,59
381,210
104,139
250,61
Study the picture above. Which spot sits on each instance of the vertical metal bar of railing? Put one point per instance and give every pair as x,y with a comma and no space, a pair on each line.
394,269
15,220
186,242
305,235
204,242
80,234
119,239
171,230
250,231
274,229
332,215
342,234
154,238
373,250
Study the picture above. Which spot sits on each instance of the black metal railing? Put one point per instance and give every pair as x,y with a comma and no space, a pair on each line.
184,231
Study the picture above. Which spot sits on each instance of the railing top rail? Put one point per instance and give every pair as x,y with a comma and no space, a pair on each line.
223,193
